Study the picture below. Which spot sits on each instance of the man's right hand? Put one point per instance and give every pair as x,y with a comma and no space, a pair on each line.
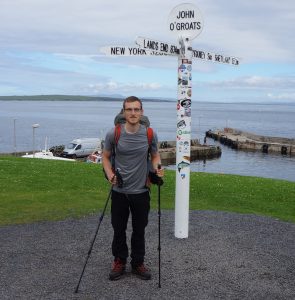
113,179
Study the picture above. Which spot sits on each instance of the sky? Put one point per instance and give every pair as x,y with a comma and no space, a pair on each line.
54,47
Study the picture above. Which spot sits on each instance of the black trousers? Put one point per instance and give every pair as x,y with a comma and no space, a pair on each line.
139,206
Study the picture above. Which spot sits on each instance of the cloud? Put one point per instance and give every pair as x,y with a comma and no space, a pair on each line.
257,82
54,46
112,86
243,29
284,96
259,31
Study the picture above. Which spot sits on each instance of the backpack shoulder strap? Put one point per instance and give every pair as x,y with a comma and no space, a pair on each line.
150,135
117,133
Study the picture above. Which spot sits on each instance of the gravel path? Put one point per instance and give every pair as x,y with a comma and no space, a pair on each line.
227,256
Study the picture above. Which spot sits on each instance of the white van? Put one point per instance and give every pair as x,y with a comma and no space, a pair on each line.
81,147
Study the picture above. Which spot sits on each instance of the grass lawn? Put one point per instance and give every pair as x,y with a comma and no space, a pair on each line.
34,190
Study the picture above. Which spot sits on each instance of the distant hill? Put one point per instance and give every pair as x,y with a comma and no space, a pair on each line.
71,98
57,98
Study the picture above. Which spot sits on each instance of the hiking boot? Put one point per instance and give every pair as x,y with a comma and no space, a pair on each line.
118,269
141,271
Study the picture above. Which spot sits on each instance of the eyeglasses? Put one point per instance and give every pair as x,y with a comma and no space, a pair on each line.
129,110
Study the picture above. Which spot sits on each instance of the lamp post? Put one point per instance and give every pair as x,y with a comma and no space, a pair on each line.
14,136
34,126
200,129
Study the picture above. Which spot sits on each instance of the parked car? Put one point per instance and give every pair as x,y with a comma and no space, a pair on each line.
81,147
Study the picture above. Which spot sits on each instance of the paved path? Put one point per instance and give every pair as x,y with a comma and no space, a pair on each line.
227,256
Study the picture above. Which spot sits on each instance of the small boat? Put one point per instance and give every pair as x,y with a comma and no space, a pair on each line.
45,154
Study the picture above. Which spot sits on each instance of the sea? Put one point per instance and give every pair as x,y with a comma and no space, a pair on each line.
62,121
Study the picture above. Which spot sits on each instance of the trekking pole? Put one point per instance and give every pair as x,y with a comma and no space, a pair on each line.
159,235
160,182
91,246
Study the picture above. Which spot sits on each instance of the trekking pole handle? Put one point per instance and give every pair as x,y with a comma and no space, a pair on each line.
159,179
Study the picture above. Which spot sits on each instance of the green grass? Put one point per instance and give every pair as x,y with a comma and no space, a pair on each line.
34,190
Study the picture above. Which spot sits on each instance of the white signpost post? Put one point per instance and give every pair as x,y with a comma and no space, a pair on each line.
186,22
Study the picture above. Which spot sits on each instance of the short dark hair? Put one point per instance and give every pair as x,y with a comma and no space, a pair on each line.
132,99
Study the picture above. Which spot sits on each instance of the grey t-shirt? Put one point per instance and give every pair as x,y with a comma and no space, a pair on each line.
131,158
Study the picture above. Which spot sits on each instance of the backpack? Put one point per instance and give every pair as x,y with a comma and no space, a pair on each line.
120,119
117,134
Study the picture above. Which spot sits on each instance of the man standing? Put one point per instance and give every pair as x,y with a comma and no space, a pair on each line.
130,192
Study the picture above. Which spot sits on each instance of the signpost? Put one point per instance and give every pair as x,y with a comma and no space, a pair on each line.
129,51
186,22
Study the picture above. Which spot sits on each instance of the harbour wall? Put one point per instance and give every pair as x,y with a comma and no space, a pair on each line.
167,150
241,140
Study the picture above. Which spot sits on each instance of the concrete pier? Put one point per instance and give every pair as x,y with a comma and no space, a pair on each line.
242,140
167,151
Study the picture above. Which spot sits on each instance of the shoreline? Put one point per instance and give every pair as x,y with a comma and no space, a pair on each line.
167,152
118,98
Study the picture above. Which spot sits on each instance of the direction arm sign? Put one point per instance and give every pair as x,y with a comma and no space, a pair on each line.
138,51
161,47
210,56
128,51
